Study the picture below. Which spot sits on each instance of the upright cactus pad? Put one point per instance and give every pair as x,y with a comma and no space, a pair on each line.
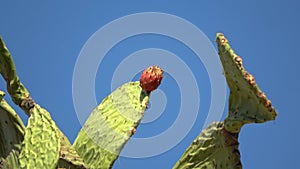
247,103
41,145
214,148
110,125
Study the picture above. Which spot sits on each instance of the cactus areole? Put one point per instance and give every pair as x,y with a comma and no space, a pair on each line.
151,78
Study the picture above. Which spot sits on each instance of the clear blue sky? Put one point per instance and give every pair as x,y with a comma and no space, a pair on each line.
45,39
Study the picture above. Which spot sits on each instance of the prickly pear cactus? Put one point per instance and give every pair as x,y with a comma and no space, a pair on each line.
41,145
213,148
110,125
247,103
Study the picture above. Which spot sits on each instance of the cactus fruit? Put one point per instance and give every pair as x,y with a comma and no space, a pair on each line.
151,78
247,103
213,148
111,125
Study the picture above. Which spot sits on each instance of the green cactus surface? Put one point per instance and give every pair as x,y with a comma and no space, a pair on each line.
247,103
111,125
11,135
11,128
41,145
213,148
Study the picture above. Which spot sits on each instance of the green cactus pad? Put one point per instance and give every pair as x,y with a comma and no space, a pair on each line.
41,145
214,148
11,128
247,103
111,125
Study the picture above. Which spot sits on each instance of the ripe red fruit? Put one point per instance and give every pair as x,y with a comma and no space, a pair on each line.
151,78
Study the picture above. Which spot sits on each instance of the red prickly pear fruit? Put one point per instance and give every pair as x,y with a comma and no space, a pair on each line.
151,78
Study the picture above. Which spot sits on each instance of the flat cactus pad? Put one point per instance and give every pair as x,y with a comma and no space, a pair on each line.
41,145
247,103
111,125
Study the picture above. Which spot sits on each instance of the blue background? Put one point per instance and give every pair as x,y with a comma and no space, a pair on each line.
45,39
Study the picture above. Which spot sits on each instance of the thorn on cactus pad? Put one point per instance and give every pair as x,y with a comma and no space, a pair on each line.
132,130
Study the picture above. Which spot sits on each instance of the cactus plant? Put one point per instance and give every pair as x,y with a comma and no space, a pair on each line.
217,146
111,124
